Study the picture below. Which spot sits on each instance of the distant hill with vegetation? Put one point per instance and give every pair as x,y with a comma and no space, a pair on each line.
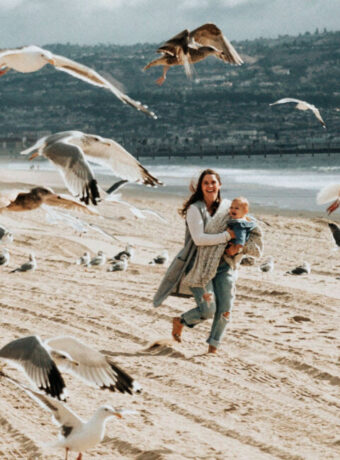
223,107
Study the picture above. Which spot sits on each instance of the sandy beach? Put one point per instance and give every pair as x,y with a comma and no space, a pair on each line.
272,392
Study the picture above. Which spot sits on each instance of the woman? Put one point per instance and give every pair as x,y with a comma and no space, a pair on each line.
215,298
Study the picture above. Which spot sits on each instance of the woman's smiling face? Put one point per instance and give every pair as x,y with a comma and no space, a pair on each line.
210,187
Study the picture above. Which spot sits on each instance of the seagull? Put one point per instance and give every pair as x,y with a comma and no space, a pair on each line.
70,152
139,213
161,259
4,257
128,253
32,58
41,358
84,259
248,260
335,229
27,201
329,193
268,265
120,265
187,48
31,265
303,269
302,105
5,235
75,434
98,260
39,362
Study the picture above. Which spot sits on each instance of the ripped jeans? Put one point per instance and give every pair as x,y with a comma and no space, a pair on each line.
223,289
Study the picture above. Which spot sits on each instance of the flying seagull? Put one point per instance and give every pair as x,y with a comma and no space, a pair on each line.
32,58
303,269
75,434
70,152
187,48
329,193
40,360
38,196
302,105
30,265
39,363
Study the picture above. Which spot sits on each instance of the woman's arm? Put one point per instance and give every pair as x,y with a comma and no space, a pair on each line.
196,228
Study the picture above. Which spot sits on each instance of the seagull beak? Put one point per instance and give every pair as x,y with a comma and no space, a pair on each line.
51,61
117,414
34,155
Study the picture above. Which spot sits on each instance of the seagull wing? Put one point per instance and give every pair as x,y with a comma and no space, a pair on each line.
30,353
94,367
109,153
67,202
285,100
62,415
91,76
175,45
318,116
210,35
75,170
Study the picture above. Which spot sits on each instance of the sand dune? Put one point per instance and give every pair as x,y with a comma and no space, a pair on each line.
271,392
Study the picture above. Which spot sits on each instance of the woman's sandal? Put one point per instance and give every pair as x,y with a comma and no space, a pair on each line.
177,327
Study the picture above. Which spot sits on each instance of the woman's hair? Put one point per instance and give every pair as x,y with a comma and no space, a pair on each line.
197,194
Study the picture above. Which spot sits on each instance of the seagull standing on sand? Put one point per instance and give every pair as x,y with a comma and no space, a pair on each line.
161,259
187,48
75,434
268,265
97,260
120,265
5,235
32,58
84,259
329,193
70,152
303,269
4,257
128,253
302,105
31,265
335,229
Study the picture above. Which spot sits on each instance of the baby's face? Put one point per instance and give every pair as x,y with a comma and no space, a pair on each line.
237,209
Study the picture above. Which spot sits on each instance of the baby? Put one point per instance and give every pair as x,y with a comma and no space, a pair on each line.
240,223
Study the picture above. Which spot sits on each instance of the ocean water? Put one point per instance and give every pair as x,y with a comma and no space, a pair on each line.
289,182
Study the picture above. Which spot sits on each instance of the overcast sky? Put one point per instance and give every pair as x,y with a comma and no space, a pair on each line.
42,22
